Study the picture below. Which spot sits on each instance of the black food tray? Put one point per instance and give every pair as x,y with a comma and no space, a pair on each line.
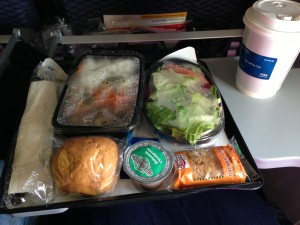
231,130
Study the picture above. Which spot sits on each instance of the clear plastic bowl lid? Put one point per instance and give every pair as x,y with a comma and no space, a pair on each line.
182,104
102,92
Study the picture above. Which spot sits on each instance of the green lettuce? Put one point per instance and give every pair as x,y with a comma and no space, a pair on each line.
180,107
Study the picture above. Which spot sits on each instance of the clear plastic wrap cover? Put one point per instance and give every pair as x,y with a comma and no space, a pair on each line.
87,165
29,179
183,104
101,92
217,165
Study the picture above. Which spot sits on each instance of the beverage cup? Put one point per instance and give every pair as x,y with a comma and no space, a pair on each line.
271,44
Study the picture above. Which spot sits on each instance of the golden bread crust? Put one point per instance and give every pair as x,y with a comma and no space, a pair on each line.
86,165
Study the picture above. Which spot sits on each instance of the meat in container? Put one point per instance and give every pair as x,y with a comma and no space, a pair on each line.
102,95
182,104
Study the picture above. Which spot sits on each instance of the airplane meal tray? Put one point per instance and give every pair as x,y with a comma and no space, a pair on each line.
122,193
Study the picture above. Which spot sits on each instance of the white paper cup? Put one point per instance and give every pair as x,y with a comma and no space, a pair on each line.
271,43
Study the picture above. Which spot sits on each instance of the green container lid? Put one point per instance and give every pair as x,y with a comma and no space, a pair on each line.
147,162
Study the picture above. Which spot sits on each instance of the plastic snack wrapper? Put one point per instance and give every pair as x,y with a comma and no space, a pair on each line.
30,182
87,166
252,174
212,166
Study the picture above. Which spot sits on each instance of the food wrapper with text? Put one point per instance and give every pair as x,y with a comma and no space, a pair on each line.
210,166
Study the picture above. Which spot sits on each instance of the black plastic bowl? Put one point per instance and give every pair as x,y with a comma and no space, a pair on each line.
117,130
208,137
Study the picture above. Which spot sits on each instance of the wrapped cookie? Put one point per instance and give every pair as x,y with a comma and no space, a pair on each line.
209,166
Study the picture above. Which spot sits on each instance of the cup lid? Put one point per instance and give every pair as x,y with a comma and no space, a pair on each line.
147,162
278,15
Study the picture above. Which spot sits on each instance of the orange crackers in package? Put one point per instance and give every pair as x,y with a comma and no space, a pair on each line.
210,166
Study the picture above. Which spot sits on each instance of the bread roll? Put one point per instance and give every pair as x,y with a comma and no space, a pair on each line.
86,165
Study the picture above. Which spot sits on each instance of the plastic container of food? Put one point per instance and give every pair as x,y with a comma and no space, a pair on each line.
182,104
103,95
148,164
